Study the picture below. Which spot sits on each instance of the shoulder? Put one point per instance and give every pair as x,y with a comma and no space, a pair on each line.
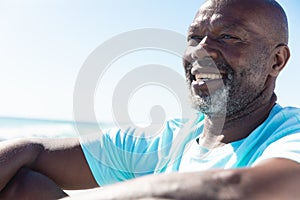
285,112
279,135
283,118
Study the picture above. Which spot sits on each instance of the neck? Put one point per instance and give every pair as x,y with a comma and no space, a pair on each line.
219,131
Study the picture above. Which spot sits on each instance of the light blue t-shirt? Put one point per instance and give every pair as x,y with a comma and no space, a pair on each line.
119,155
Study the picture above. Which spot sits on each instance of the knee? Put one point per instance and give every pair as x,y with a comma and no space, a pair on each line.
14,186
28,184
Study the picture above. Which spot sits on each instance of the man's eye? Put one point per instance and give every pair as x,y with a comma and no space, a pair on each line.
228,37
197,38
194,40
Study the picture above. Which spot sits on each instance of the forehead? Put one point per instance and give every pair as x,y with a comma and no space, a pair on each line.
229,16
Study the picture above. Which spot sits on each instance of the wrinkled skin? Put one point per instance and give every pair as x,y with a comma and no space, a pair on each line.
239,49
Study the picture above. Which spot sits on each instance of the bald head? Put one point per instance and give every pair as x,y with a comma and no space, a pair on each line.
266,14
277,21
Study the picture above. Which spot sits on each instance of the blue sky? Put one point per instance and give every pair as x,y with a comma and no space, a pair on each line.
43,45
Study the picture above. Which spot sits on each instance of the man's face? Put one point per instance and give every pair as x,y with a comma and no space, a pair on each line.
226,59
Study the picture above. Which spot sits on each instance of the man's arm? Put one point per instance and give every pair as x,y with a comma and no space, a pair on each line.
61,160
272,179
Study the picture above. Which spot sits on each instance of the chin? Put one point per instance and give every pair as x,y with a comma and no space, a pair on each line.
212,105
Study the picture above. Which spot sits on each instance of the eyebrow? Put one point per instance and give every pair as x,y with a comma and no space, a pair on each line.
219,24
232,24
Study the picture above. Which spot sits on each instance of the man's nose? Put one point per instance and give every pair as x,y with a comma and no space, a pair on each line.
204,49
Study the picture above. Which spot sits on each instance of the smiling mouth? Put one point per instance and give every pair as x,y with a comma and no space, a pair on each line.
201,78
204,84
207,77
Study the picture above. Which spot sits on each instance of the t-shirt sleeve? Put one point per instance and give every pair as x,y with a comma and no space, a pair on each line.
286,147
120,155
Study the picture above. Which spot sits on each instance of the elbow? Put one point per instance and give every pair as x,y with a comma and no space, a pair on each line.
25,152
230,184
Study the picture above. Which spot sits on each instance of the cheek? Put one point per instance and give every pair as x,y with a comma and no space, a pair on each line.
186,62
187,55
234,56
251,77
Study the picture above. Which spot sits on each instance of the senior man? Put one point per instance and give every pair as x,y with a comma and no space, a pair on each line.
243,145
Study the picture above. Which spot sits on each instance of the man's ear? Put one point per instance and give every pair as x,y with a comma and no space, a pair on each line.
281,55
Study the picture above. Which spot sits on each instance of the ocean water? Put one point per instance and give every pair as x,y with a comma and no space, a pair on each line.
11,128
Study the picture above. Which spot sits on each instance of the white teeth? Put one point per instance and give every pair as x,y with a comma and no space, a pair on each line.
206,77
198,82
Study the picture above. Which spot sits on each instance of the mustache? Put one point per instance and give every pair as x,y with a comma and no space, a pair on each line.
208,62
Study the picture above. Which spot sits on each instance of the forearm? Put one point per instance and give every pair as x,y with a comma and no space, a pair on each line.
198,185
14,155
272,179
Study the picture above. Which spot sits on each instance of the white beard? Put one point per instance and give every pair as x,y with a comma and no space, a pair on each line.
212,105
